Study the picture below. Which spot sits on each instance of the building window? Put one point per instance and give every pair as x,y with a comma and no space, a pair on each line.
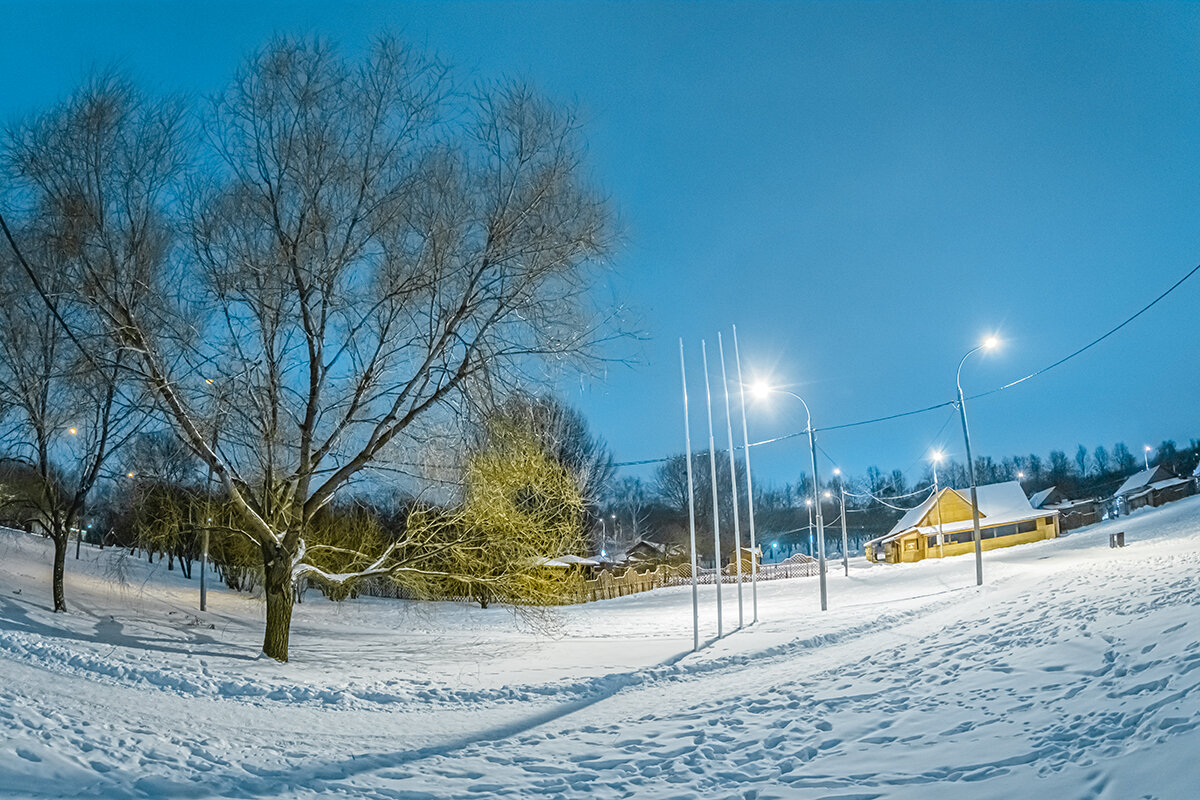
1028,526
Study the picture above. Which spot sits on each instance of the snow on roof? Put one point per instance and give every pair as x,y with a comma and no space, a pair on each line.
1039,498
1139,480
998,503
1158,485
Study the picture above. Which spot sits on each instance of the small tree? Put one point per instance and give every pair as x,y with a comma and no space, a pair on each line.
521,507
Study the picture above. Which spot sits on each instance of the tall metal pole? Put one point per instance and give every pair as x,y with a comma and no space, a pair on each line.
812,446
962,408
737,357
712,465
737,528
937,504
845,535
687,438
811,542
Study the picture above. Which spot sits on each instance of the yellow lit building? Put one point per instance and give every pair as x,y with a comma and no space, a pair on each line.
942,525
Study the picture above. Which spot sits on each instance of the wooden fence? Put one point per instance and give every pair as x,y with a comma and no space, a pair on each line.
607,585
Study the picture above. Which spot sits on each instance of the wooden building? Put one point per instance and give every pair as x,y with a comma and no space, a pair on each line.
1153,487
943,526
1071,513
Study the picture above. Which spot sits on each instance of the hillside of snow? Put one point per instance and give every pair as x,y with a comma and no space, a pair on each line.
1074,672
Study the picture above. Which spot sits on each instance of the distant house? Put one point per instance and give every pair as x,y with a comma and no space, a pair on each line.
1153,487
943,526
1071,513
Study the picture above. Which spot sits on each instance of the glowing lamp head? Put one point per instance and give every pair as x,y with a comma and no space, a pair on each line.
808,501
128,474
991,343
937,456
837,471
72,431
827,494
1147,448
760,389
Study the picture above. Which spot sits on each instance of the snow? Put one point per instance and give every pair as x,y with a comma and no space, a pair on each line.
1073,672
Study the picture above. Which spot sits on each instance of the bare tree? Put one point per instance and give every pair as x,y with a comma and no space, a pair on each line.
66,414
361,251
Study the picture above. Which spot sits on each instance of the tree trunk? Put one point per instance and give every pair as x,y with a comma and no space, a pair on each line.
278,585
60,562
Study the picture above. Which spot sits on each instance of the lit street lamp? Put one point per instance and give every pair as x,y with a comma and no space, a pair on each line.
988,344
1146,456
762,390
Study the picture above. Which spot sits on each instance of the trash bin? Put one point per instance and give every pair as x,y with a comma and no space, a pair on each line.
1116,539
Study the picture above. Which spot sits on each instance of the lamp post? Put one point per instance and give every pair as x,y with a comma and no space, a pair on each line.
808,503
845,536
937,457
762,390
988,344
1146,455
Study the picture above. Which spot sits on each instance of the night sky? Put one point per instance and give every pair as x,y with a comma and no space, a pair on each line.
866,190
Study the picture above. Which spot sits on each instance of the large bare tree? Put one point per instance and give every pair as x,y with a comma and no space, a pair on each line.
359,250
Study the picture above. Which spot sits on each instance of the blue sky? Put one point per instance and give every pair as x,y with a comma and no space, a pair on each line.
865,190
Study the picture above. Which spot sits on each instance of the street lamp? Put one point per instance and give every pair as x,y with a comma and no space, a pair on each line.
936,456
988,344
762,390
845,536
808,504
1146,456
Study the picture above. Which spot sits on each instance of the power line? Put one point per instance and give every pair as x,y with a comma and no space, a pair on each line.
948,403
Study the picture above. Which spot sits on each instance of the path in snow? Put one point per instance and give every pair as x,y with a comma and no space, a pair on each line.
1075,672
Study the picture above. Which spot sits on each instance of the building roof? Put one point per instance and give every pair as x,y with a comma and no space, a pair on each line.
1158,485
1140,480
1039,498
999,503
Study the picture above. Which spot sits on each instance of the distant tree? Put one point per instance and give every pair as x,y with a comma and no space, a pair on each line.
1123,459
1101,459
1035,472
1060,467
1167,455
1081,461
630,501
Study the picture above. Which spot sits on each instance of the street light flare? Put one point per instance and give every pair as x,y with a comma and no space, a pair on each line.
760,389
72,431
937,456
991,343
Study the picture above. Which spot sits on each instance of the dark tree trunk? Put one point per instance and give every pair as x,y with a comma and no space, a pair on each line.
60,563
278,585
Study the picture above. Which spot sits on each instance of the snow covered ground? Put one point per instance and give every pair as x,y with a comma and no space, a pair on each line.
1073,673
